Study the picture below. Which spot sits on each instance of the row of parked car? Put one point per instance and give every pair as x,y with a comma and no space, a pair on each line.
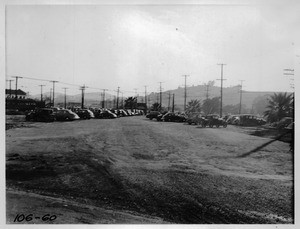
198,119
210,120
245,120
60,114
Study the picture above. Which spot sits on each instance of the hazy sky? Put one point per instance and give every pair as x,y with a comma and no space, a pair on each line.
106,46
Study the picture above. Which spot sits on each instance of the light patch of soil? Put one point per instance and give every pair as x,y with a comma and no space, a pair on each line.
165,172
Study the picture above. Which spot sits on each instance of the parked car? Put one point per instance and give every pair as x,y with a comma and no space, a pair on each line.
250,120
105,114
40,115
212,120
129,112
152,114
173,117
194,119
231,119
85,114
284,122
65,115
122,113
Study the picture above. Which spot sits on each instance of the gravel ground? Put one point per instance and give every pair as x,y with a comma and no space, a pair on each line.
133,170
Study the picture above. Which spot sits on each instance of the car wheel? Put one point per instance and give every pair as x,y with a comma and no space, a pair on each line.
211,126
225,125
217,125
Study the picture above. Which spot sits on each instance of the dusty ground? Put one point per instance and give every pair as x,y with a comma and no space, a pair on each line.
133,170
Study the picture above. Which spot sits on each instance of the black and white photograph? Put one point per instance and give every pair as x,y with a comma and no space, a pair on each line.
150,112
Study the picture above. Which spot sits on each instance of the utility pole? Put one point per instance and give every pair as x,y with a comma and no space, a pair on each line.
173,104
118,97
82,95
221,104
103,102
53,81
169,103
50,96
146,97
185,94
16,93
9,88
241,92
122,102
207,89
41,92
65,88
160,95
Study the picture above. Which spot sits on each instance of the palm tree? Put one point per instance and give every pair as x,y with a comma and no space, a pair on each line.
280,105
211,106
193,106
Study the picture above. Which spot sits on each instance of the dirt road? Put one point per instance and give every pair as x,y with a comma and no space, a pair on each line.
133,170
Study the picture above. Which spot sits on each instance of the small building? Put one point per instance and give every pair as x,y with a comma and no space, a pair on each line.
9,93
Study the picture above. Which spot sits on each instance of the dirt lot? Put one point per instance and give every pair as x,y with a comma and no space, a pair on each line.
133,170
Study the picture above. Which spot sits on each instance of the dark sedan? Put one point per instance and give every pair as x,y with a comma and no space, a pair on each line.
40,115
85,114
173,117
105,114
65,115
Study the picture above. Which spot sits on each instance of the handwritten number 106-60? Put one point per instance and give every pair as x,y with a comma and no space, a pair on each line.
28,218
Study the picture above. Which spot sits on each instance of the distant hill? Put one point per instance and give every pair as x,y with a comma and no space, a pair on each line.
231,96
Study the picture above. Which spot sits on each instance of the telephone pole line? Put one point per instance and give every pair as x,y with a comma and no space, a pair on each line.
53,81
17,77
41,92
185,94
241,92
221,104
65,88
82,95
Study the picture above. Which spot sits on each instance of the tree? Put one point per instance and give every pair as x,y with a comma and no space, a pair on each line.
130,103
211,106
280,105
193,106
155,107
